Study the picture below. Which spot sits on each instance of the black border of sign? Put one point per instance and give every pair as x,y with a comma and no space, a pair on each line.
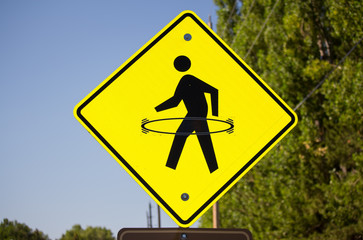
142,181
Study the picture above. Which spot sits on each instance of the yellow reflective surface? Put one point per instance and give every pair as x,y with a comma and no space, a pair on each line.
114,112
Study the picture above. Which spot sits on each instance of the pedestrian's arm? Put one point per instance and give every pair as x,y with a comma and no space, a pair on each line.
214,96
170,103
173,101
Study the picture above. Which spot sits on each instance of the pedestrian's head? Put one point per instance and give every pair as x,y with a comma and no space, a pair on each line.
182,63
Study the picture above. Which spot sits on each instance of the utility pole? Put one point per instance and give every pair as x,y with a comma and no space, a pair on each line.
216,215
159,219
150,216
147,219
210,24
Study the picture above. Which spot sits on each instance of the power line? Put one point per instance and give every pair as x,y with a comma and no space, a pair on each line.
243,23
258,36
230,15
326,76
262,28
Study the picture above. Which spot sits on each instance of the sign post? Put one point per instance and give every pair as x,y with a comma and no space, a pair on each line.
186,117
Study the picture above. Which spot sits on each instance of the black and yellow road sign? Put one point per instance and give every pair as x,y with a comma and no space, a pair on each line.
185,117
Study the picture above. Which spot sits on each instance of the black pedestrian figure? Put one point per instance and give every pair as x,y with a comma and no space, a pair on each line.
191,90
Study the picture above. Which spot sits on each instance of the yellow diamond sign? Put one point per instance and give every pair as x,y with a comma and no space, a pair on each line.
185,117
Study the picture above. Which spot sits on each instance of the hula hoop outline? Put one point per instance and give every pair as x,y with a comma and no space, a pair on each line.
228,130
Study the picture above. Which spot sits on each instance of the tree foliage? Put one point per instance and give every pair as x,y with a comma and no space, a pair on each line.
10,230
310,185
90,233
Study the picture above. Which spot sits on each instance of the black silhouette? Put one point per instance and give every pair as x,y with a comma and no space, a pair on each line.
191,90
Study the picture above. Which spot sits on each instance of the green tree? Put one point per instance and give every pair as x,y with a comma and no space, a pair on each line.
19,231
90,233
310,185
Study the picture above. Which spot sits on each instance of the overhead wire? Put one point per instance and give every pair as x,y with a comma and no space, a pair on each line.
258,36
243,23
230,16
325,77
262,28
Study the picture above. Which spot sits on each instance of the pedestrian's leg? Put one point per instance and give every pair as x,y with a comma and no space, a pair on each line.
175,151
181,136
205,142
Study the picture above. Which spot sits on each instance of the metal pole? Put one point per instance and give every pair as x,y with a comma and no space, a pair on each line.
150,215
159,220
210,24
147,219
216,215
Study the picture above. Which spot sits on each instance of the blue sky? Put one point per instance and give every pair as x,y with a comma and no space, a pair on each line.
53,174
